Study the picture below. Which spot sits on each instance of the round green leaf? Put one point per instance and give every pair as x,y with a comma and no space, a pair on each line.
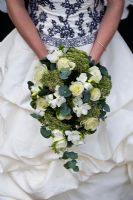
64,91
45,133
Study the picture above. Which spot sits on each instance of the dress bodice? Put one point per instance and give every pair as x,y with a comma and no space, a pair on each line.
69,22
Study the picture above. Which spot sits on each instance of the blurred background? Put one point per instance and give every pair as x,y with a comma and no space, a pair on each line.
125,27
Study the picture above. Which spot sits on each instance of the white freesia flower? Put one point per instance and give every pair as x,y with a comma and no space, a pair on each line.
54,102
96,74
35,89
40,112
74,137
54,56
57,134
82,78
82,109
88,86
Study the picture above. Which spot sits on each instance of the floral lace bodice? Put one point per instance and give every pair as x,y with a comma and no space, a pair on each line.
70,22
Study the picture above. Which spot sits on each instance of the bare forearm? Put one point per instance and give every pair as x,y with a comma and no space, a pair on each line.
107,28
25,26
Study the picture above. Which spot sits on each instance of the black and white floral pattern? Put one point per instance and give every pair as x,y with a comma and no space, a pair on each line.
69,22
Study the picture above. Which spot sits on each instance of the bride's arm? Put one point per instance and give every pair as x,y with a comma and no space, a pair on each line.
107,28
25,26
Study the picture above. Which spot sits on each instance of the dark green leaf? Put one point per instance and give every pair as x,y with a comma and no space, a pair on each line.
103,70
52,66
33,104
71,155
45,133
103,115
36,116
64,91
43,92
106,107
30,84
86,96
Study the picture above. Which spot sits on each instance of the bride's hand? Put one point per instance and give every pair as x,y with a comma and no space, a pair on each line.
25,26
107,28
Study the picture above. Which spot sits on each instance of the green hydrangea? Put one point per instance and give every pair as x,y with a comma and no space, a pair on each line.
51,121
105,86
51,79
80,58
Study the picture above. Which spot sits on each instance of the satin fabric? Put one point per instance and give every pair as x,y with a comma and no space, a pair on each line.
29,170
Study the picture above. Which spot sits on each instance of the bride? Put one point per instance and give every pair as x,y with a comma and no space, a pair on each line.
29,170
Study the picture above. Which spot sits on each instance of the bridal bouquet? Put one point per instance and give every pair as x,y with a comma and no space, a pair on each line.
69,93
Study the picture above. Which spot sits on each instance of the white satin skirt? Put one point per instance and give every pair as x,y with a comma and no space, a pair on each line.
29,170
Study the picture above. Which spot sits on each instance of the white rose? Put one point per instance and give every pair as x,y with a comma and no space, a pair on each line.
42,104
64,63
95,94
96,74
91,123
76,88
38,74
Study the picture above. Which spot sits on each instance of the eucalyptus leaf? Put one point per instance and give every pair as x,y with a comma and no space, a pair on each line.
45,133
64,91
64,74
71,165
65,110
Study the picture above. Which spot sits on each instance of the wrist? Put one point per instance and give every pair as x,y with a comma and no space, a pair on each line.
42,54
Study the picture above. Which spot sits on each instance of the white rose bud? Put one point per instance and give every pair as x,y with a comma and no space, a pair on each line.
64,63
61,144
95,94
96,74
91,123
38,74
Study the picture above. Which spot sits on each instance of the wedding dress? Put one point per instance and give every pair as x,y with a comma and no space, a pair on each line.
29,170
